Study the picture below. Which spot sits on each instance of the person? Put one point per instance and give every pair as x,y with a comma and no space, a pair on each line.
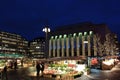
11,64
21,62
15,65
42,68
5,73
38,68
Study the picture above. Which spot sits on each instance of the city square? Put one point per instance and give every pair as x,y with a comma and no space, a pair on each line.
29,73
59,40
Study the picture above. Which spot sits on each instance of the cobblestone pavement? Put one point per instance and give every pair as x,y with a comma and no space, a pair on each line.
84,77
113,74
29,73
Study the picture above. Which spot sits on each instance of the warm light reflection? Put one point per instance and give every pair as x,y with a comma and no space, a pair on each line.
109,62
80,67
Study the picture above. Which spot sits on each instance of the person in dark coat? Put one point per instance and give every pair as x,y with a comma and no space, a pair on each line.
22,62
11,64
15,65
42,68
38,68
5,73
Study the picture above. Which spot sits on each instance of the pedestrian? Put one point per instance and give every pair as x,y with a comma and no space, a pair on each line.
38,68
15,65
5,73
21,62
11,64
42,68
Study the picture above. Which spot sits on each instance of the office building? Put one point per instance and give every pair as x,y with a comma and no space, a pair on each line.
37,48
11,43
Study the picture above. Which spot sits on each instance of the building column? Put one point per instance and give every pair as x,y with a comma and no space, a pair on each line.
89,49
67,47
58,48
50,48
62,47
54,47
72,46
83,46
78,46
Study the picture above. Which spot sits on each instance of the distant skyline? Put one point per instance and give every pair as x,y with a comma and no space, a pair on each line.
28,17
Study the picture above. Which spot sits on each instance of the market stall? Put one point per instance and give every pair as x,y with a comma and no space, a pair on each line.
62,67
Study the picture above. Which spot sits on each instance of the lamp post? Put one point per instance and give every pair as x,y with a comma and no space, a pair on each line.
46,30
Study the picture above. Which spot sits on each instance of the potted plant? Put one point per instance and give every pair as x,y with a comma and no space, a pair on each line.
79,74
87,70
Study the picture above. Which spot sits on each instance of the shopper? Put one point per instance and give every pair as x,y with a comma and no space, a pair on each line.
15,65
21,62
38,68
11,64
5,73
42,68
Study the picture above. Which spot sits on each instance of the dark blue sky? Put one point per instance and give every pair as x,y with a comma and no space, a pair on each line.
28,17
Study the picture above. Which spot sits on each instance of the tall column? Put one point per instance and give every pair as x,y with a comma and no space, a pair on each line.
72,46
95,46
78,46
89,49
83,46
58,47
54,47
50,48
62,47
67,47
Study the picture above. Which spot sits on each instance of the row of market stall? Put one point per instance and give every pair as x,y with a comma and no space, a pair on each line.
67,67
76,66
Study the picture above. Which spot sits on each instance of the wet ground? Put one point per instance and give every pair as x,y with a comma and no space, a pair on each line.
29,73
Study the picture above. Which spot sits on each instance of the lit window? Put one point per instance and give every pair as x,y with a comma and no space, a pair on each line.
80,34
85,33
60,36
56,37
52,37
74,34
91,32
65,36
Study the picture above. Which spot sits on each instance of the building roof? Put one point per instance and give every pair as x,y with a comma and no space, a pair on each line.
81,27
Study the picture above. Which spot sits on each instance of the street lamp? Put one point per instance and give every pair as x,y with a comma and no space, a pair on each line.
46,30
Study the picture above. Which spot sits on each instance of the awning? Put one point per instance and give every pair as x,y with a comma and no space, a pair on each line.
67,58
15,55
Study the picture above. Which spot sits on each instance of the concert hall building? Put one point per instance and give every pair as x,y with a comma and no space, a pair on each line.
76,40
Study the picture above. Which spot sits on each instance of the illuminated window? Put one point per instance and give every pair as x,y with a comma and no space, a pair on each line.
70,35
52,37
74,34
85,33
80,34
56,37
91,32
60,36
65,35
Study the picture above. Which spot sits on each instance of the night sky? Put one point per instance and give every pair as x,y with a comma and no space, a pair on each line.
29,17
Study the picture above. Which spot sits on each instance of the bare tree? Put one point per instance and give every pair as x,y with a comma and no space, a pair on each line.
99,46
109,44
